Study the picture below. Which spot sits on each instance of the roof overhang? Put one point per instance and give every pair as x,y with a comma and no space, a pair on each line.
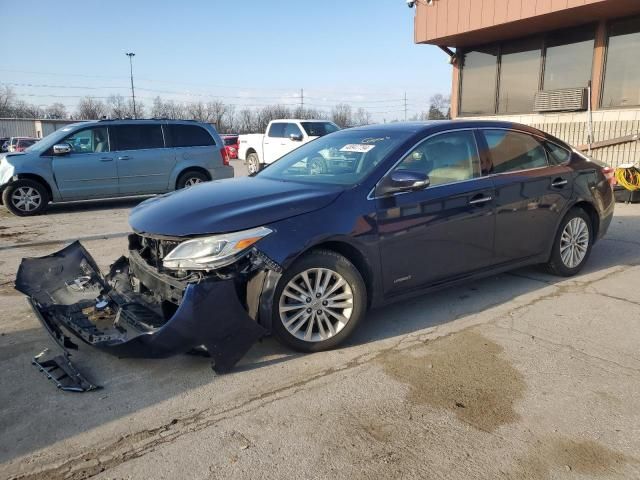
464,23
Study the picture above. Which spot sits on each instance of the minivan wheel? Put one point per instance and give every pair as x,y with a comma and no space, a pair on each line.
253,163
25,197
319,302
572,245
189,179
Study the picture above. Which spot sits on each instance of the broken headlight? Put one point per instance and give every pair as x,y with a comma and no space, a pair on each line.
208,253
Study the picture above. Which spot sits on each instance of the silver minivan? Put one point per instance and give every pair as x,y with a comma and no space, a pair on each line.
111,158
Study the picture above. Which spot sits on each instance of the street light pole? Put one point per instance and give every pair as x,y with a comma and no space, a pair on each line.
133,93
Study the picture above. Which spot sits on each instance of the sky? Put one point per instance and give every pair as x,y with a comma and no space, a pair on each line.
246,53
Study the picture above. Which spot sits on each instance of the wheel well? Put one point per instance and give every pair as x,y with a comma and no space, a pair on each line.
354,256
593,215
250,151
39,179
192,169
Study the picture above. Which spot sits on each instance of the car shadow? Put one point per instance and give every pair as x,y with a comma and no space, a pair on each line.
35,415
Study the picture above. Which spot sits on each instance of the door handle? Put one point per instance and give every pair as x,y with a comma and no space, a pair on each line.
480,200
106,159
124,157
559,182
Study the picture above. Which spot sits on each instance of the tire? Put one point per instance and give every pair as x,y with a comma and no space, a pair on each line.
331,329
25,198
318,165
253,163
572,245
191,178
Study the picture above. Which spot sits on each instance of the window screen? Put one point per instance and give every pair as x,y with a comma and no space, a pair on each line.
189,136
513,151
478,91
137,137
622,76
446,158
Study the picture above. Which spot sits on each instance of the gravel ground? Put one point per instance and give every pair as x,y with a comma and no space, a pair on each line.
518,376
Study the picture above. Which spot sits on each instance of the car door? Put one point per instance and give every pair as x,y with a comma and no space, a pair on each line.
292,139
531,192
444,230
272,141
89,169
144,164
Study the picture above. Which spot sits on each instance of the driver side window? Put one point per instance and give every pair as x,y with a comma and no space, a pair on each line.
91,140
445,158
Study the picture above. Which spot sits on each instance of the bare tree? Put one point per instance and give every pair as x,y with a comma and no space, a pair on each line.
7,98
268,113
439,107
91,109
246,121
56,110
361,117
341,115
22,109
217,113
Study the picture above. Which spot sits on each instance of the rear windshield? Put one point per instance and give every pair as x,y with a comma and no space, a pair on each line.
230,140
319,129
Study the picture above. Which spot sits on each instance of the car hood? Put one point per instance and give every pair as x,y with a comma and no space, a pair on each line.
227,206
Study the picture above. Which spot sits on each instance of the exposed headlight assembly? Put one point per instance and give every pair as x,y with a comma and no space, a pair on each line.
209,253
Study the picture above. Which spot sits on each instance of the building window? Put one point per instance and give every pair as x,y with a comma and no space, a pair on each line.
479,69
519,76
568,58
622,75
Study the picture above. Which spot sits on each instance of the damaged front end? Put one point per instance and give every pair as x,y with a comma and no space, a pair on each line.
140,310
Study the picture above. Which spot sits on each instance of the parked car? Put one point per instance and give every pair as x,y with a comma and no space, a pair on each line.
231,144
4,144
19,144
283,136
398,210
112,158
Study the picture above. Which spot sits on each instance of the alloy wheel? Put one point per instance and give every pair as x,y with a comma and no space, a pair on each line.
574,242
192,181
26,199
316,304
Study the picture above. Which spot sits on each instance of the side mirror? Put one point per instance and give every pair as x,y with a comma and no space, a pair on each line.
402,181
296,137
61,149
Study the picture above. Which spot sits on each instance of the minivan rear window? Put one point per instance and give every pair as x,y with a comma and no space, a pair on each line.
136,137
189,136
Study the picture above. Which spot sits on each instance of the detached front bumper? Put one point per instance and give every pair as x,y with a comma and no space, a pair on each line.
73,300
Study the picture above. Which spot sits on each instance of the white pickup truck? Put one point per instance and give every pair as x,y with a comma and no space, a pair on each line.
283,136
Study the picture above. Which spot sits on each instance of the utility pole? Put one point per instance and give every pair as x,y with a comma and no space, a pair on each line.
133,92
405,106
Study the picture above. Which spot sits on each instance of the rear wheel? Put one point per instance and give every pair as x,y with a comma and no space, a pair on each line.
572,245
25,197
319,302
253,163
191,178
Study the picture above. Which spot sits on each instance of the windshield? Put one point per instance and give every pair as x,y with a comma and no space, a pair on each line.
343,158
319,129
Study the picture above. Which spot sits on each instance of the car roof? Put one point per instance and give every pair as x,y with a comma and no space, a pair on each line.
437,125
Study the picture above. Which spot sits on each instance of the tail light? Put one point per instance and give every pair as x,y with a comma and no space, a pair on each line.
610,174
225,156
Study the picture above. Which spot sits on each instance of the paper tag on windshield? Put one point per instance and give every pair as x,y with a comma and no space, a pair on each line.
357,147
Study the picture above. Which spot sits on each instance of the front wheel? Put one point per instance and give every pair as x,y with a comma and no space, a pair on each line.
319,302
25,197
572,245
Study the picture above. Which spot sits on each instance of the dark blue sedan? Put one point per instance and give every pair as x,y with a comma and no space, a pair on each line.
350,221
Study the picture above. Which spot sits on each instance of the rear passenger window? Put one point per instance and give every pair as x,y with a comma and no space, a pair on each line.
189,136
513,151
137,137
276,130
557,155
445,158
